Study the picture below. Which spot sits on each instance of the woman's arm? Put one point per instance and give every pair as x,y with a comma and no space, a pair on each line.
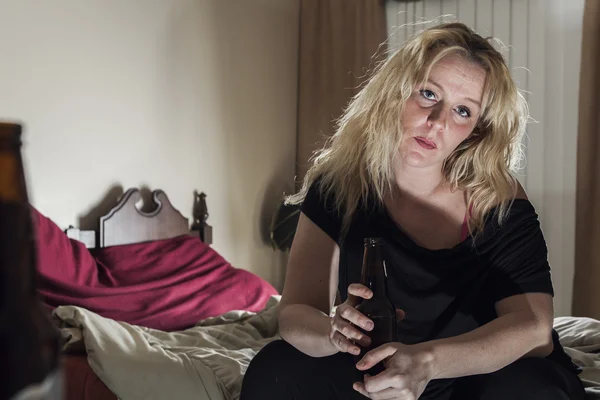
309,291
523,329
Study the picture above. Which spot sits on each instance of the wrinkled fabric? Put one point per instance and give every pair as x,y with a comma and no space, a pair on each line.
207,361
164,284
581,340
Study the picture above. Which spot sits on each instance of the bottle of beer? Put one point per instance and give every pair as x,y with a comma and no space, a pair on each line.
29,343
379,308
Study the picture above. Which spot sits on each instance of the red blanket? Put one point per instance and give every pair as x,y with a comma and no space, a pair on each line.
167,284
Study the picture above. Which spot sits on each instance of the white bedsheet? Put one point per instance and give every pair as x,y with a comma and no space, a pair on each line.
581,339
204,362
209,360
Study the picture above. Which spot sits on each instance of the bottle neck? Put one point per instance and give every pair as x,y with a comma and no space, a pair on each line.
12,183
374,274
18,256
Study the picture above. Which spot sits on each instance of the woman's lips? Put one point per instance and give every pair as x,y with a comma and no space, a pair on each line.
425,143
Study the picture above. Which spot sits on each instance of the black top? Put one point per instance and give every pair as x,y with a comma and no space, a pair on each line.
444,292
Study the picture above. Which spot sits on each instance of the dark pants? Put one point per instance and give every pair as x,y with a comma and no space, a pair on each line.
280,372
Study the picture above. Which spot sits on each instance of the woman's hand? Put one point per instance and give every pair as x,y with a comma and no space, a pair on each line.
344,334
408,369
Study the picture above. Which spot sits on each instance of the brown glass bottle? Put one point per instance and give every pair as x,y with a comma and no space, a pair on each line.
378,308
29,343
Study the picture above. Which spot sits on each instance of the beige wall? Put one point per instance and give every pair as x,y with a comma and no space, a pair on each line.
178,95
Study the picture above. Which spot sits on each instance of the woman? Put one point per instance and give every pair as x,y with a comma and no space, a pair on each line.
422,158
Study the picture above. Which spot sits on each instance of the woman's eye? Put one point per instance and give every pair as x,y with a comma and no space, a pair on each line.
428,94
463,112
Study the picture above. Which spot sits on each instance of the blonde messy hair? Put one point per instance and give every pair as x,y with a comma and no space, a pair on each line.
356,164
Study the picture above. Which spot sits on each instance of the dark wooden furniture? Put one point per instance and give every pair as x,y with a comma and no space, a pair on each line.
126,224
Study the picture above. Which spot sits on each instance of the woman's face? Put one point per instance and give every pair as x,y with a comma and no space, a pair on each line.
442,112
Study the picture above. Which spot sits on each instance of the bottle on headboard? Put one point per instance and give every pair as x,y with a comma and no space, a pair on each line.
29,343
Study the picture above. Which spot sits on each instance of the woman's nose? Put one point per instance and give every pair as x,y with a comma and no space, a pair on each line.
437,117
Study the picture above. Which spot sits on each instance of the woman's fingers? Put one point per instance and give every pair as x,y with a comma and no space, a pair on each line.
354,316
348,319
386,394
350,331
343,344
356,291
400,315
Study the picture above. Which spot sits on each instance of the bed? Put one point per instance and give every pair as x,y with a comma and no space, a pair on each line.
140,282
148,310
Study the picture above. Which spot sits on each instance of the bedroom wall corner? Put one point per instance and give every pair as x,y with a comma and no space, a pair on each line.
180,95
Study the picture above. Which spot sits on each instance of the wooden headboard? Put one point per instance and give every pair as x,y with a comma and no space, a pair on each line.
126,224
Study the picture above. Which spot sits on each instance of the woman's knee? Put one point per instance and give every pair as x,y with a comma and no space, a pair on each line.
262,375
273,360
280,371
275,369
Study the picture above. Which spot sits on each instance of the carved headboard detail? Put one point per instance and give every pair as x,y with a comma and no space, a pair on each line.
126,224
